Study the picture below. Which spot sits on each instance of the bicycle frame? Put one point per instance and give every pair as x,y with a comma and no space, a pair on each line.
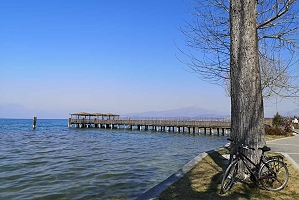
245,159
264,172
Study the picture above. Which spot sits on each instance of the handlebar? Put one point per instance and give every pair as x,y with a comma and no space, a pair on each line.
240,145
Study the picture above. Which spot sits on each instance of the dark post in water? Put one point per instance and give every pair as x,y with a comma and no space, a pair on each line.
70,123
34,122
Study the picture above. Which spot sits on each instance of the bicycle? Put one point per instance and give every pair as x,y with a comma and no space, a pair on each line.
271,172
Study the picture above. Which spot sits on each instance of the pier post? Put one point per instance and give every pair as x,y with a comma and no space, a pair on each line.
70,123
34,122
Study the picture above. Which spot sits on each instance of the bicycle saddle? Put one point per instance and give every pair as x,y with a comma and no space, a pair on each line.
265,148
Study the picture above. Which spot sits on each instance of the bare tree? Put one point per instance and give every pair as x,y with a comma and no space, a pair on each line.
250,44
247,109
208,39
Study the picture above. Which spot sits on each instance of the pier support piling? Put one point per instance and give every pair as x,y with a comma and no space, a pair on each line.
34,122
87,120
70,123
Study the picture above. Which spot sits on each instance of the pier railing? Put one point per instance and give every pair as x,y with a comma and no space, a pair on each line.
155,122
189,126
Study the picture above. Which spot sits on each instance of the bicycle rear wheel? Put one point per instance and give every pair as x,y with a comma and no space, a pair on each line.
274,175
228,177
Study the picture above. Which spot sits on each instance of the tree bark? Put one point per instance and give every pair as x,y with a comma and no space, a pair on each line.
247,111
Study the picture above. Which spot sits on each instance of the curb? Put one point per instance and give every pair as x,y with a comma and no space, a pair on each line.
156,190
290,159
286,154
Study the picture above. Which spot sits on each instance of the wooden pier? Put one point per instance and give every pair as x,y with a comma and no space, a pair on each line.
112,121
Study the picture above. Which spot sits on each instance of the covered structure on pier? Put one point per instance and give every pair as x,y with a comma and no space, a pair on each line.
84,119
90,116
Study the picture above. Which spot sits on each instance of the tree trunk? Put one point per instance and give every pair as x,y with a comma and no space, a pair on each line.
247,111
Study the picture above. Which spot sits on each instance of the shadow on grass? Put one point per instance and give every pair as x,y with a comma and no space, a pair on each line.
204,180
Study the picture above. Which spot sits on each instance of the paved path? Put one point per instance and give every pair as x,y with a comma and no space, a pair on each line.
288,146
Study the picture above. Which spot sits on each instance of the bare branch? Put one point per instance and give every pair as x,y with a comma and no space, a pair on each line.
282,11
207,37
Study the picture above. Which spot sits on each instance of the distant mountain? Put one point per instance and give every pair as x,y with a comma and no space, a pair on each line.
187,112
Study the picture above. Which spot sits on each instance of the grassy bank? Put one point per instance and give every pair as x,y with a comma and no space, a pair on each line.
274,137
204,180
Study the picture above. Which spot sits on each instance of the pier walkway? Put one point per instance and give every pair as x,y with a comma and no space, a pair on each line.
110,121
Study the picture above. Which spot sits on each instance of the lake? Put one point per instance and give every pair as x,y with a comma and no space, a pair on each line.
55,162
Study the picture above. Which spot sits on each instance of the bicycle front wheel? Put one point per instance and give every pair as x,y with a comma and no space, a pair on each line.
228,177
274,175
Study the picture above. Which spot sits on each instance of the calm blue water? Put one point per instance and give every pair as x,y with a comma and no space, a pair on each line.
54,162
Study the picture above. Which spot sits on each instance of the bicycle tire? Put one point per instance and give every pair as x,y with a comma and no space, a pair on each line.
274,175
229,176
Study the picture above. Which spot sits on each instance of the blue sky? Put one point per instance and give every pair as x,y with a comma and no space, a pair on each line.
58,57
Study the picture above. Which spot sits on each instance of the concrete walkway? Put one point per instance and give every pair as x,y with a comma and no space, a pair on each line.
287,146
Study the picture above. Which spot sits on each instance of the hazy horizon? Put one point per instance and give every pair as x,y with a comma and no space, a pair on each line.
19,112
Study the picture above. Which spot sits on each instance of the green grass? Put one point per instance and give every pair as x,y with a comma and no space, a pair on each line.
204,182
274,137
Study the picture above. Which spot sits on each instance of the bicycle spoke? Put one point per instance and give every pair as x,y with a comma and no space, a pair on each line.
228,177
274,175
